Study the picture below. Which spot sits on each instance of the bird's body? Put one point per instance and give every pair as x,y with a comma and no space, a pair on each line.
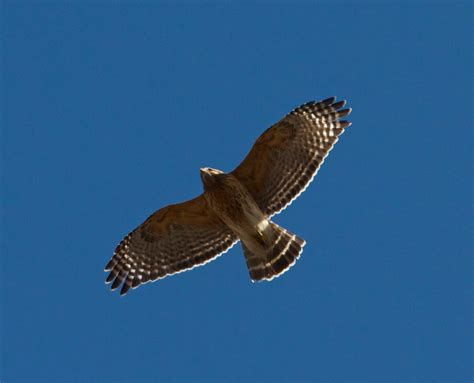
233,204
236,206
264,243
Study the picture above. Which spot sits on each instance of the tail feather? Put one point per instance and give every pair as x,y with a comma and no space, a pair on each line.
276,257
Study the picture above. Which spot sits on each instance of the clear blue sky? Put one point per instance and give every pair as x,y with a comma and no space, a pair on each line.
109,110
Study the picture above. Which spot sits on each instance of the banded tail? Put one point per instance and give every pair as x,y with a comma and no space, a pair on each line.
272,259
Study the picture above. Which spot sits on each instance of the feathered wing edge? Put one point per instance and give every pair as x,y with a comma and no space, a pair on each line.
125,287
335,113
174,239
319,113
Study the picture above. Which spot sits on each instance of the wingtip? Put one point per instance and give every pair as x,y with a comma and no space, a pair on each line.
116,283
124,290
339,105
110,278
329,100
344,112
110,265
345,124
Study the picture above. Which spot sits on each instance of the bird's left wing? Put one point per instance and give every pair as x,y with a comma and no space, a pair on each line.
287,156
176,238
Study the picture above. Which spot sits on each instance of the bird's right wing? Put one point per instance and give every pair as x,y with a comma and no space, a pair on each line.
176,238
287,156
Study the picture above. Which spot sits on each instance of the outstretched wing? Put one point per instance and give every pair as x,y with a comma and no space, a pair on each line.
286,157
174,239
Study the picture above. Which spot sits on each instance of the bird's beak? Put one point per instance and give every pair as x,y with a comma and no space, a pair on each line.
205,175
205,172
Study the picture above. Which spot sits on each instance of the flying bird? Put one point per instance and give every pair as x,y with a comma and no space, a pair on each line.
236,206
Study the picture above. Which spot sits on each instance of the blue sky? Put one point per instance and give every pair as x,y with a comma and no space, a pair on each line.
109,109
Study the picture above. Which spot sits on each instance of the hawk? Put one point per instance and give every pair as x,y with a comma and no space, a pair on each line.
236,206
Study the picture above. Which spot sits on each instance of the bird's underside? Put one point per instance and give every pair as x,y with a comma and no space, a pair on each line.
236,206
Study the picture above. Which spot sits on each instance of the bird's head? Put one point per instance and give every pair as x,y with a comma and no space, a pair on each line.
209,176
